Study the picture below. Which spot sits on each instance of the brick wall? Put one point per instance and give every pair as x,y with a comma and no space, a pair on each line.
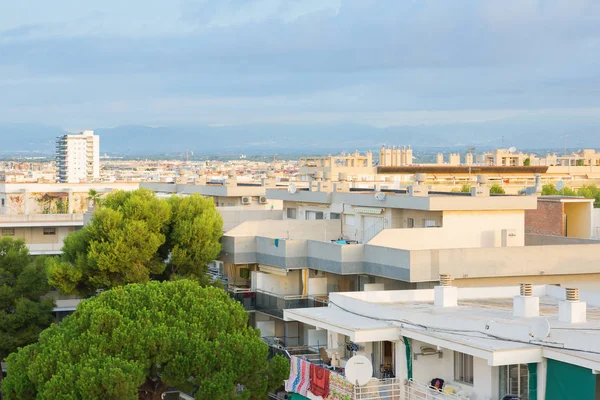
548,219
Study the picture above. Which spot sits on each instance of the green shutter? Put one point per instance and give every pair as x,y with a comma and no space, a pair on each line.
296,396
569,382
408,357
532,368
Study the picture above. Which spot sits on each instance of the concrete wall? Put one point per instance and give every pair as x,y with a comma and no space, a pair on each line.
579,221
596,223
426,265
547,240
37,242
291,284
234,217
462,229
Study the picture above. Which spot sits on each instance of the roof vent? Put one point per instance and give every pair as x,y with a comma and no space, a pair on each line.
572,294
526,289
445,295
445,280
526,305
572,310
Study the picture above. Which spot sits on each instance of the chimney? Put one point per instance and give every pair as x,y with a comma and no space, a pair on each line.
525,305
445,295
572,310
538,183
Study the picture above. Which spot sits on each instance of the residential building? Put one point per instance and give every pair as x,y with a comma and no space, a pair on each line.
334,239
44,214
530,342
395,156
78,157
237,201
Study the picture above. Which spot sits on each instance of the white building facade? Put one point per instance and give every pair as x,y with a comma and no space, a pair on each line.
78,157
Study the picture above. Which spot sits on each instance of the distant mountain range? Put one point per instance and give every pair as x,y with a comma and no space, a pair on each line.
309,139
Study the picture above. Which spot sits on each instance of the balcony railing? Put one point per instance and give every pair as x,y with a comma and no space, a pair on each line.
414,390
246,296
274,304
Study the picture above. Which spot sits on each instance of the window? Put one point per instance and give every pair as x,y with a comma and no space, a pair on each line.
463,368
514,379
8,232
429,223
3,202
349,220
335,215
410,223
314,215
291,213
49,231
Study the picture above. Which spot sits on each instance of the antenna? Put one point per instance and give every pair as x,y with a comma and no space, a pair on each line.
359,370
292,188
512,149
380,196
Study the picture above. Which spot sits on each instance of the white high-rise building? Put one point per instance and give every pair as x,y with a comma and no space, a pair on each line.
78,157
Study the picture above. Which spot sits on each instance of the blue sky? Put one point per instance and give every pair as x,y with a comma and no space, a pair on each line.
233,62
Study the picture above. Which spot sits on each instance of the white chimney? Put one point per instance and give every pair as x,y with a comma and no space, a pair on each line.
572,310
525,305
445,295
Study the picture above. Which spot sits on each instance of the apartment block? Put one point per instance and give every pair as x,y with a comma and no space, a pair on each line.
488,343
78,157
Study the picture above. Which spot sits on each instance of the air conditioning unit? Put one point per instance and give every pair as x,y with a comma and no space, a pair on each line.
262,200
246,200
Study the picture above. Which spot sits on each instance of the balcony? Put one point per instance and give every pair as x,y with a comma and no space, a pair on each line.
414,390
340,387
274,304
245,296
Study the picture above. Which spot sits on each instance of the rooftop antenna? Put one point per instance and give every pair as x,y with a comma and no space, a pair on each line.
512,150
560,186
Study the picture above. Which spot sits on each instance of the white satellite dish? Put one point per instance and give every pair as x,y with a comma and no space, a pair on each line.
359,370
512,149
540,330
560,185
380,196
292,188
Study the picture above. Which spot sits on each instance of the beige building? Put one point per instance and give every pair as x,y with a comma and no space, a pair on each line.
354,165
44,214
236,201
337,240
395,156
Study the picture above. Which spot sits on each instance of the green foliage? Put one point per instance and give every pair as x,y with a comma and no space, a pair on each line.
134,236
118,246
550,190
148,336
590,192
193,235
580,163
496,189
527,162
23,282
465,188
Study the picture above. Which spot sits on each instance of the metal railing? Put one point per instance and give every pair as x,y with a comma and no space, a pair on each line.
379,389
246,296
414,390
274,304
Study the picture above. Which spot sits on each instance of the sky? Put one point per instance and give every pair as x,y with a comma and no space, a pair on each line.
387,63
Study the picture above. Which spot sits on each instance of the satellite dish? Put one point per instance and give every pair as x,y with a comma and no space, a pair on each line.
380,196
540,330
292,188
560,185
512,149
359,370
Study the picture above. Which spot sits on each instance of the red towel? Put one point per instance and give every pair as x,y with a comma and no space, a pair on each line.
319,381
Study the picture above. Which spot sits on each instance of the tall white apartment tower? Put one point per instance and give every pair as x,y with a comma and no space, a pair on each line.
78,157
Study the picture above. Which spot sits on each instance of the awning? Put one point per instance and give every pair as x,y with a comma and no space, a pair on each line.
359,329
368,210
272,270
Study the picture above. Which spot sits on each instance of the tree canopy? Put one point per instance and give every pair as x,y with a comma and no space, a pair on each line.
135,235
135,341
587,191
23,282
